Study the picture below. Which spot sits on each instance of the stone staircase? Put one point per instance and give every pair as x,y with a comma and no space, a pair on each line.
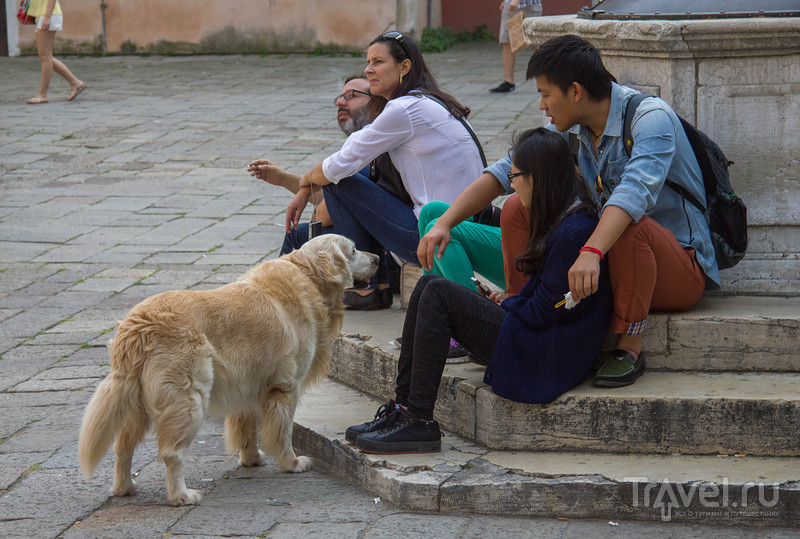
710,432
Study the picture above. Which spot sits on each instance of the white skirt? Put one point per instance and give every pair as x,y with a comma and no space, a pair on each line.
56,22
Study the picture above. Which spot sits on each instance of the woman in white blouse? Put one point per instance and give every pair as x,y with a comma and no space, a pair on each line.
429,146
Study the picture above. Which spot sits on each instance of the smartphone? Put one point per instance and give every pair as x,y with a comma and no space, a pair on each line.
314,229
485,292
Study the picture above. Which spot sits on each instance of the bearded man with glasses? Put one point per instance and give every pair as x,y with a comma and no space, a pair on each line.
352,114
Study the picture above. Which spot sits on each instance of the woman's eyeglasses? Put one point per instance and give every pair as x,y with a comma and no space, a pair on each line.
397,36
512,175
349,94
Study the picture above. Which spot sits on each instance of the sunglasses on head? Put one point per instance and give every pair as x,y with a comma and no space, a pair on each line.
397,36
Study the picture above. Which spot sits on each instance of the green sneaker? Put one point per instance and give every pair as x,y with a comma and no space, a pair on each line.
620,369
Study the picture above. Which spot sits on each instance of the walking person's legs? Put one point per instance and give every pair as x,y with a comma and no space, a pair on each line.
44,48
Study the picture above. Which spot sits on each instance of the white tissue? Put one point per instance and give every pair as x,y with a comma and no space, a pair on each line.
570,303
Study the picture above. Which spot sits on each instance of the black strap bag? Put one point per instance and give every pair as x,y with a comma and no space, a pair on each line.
383,172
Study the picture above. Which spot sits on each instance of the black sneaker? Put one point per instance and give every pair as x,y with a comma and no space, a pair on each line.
382,417
404,433
504,88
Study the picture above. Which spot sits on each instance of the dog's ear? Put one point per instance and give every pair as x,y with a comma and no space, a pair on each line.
342,251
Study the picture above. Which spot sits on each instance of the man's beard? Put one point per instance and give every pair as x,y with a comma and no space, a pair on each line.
358,119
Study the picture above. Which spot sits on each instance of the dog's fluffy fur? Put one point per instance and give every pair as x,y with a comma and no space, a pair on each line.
244,351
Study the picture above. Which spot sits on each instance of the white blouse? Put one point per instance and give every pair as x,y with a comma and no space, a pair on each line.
433,152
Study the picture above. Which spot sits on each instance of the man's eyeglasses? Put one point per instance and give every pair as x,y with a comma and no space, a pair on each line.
397,36
350,94
512,175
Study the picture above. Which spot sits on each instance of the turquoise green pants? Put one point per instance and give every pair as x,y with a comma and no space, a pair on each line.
473,248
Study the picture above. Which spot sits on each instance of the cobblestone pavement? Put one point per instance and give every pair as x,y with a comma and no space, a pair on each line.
139,187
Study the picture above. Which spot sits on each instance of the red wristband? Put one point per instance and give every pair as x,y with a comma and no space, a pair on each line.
594,250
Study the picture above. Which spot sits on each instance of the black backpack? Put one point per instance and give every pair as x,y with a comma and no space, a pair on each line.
726,213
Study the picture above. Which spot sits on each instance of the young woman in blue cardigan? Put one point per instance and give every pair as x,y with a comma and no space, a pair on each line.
534,347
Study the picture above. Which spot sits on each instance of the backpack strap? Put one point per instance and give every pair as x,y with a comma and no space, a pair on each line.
627,140
464,123
574,147
627,130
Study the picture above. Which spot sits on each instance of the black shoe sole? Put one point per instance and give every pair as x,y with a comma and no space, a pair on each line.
356,302
396,448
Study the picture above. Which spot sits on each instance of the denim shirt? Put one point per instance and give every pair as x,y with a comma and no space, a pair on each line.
660,151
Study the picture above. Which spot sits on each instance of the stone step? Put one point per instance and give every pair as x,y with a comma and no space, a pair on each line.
467,477
721,333
688,412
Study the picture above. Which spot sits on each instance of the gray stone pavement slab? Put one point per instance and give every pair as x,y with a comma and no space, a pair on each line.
138,187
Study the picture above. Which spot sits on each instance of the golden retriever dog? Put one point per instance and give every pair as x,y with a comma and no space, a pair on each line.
244,351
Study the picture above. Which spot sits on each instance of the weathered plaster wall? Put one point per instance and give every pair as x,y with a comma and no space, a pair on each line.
213,26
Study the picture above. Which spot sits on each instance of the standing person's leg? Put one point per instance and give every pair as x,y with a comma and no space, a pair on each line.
649,270
44,48
508,57
438,309
515,230
509,60
76,86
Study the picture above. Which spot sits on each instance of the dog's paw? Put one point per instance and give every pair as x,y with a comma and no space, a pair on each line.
126,489
255,459
301,464
188,497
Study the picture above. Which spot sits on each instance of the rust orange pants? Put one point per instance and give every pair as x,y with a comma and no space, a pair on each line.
649,269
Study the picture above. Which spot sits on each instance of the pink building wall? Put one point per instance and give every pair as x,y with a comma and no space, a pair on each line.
214,26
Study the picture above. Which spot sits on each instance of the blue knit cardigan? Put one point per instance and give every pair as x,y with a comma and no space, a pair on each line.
543,351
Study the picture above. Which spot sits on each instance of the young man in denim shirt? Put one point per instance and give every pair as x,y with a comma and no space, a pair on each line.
659,248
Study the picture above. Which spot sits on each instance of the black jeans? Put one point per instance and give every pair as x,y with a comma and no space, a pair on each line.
438,310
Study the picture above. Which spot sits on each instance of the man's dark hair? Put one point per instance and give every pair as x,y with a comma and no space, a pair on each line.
354,77
566,59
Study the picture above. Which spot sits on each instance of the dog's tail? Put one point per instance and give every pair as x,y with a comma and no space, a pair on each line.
116,397
104,418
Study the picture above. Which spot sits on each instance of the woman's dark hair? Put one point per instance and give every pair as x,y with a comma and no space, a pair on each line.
555,188
418,78
566,59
